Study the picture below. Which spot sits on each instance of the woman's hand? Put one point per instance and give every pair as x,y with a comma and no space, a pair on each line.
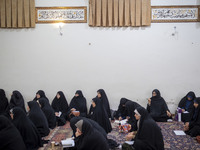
120,118
169,114
73,109
186,126
130,136
76,113
149,101
57,114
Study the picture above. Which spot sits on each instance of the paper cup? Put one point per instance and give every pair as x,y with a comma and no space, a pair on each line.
52,144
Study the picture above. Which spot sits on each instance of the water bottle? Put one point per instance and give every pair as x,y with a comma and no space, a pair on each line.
179,114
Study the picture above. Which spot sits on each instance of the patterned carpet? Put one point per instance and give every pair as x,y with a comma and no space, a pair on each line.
172,141
177,142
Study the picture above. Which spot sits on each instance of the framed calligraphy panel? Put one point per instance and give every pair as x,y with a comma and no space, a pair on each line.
61,14
175,14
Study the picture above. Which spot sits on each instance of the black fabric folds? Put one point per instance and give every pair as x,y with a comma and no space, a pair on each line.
3,102
49,112
27,129
149,135
100,115
10,138
38,118
158,108
17,100
91,139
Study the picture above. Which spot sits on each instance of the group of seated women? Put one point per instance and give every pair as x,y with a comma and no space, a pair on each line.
89,129
35,122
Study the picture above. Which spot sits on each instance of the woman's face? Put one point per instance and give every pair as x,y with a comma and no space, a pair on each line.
93,104
58,95
189,98
38,96
12,115
28,108
79,131
98,95
77,95
154,94
196,105
137,117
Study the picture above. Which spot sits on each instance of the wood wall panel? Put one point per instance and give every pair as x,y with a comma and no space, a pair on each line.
119,13
17,13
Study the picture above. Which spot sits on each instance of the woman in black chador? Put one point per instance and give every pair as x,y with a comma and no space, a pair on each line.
101,94
10,138
149,135
49,112
26,128
78,105
158,108
192,127
88,138
186,104
17,100
94,124
121,112
100,115
60,106
130,106
38,118
3,102
40,94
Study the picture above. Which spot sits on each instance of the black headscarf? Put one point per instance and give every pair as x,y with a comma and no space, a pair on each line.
17,100
100,115
60,104
10,138
38,118
49,112
194,121
105,101
130,106
197,100
182,103
26,128
94,124
91,139
79,103
3,102
122,112
149,135
195,113
42,95
158,108
123,101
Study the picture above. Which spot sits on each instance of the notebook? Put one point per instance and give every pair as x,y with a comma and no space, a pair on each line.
179,132
68,143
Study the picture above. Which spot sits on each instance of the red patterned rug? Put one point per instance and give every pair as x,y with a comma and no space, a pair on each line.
171,141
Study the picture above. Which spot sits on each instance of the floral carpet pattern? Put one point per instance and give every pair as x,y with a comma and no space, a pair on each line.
171,141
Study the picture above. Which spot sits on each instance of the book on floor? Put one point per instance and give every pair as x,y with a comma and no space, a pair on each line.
68,143
179,132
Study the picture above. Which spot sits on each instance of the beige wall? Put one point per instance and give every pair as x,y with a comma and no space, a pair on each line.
126,62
